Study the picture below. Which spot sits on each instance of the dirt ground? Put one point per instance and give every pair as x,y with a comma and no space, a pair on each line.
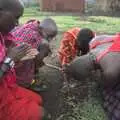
61,98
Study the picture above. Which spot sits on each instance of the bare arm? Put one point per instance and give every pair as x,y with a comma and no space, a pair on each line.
13,54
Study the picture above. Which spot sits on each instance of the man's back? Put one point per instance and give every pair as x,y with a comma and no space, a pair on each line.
67,51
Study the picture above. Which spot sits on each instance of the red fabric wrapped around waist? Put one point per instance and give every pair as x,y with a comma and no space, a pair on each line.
115,47
96,43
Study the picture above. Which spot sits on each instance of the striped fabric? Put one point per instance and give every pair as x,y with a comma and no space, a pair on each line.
28,33
68,50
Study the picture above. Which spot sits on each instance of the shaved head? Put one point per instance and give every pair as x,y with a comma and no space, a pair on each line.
10,11
50,25
12,6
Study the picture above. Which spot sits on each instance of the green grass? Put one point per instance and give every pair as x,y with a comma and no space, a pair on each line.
65,21
91,110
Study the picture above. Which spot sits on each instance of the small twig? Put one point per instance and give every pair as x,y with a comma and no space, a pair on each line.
65,77
53,66
58,68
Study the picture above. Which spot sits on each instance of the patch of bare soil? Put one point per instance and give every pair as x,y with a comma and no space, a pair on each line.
60,99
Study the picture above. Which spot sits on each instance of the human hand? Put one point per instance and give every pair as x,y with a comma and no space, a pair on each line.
31,54
18,52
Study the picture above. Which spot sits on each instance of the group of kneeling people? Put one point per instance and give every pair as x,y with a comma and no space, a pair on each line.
23,48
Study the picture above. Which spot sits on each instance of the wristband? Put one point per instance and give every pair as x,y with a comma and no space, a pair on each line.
8,61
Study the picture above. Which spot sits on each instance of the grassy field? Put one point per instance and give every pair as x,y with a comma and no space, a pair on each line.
91,109
65,21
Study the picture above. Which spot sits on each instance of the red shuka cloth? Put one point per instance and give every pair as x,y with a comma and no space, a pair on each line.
16,103
68,50
115,47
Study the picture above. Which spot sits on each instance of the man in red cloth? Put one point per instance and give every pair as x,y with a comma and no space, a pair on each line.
16,103
74,42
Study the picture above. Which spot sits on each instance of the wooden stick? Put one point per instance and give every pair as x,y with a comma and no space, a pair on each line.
53,66
66,81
